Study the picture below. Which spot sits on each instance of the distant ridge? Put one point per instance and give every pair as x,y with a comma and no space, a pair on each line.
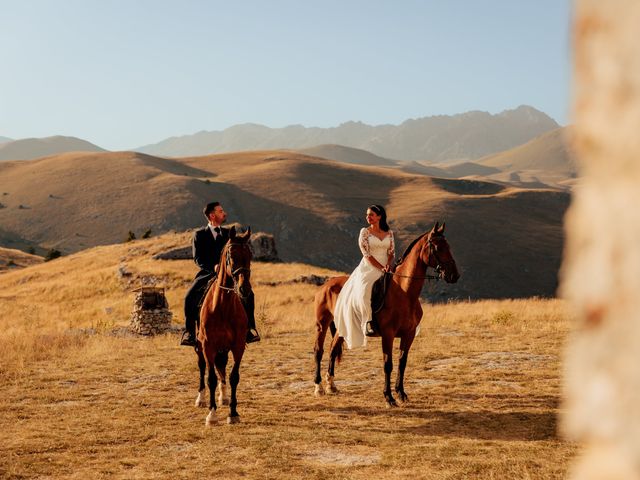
30,148
441,138
5,139
340,153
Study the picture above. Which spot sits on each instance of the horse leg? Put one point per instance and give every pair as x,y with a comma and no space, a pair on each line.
318,351
221,368
405,345
202,367
212,381
234,379
387,354
336,354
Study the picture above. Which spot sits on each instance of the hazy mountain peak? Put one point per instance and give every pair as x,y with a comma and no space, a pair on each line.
29,148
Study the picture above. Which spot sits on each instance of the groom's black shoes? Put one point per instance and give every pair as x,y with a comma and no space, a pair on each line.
253,335
188,339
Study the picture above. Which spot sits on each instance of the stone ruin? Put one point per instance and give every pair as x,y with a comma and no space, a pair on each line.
150,314
263,246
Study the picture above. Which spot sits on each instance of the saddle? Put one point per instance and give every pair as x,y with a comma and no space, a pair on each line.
379,291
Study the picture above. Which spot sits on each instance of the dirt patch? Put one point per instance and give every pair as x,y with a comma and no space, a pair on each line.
341,458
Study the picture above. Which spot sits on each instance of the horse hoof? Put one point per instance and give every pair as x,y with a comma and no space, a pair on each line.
231,420
333,389
391,404
319,390
211,419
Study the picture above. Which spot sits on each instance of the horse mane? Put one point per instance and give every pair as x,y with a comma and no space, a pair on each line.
409,248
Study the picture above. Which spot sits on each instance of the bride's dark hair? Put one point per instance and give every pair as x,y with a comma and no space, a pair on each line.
379,210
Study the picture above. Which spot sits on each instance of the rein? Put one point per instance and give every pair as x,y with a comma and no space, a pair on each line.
235,287
438,267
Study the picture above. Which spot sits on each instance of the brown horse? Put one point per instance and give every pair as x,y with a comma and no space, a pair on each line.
223,324
400,315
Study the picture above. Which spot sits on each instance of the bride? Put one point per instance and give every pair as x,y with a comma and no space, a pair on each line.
353,306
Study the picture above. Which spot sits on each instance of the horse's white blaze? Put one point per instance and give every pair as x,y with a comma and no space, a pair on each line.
200,400
319,390
223,398
211,418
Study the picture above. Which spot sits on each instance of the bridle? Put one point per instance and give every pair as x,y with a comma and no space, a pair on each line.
234,273
438,268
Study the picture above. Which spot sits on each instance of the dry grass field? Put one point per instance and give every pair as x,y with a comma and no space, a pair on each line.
81,398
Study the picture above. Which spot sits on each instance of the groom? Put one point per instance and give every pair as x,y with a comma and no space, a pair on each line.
208,243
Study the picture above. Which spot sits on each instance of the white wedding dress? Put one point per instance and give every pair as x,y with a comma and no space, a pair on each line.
353,307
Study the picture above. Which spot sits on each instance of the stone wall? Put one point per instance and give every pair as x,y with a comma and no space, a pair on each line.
601,268
150,314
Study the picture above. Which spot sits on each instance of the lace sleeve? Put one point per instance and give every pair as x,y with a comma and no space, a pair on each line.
363,243
392,245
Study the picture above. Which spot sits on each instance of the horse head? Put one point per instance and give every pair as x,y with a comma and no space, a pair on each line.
437,255
238,261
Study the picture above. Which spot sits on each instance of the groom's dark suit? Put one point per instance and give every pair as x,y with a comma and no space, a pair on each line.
206,254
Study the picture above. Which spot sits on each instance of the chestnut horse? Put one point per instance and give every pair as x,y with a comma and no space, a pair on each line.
400,315
223,324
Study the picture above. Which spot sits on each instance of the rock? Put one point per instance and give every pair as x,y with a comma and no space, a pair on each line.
263,246
180,253
312,279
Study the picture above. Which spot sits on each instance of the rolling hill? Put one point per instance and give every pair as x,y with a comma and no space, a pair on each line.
439,138
11,259
5,139
508,241
30,148
340,153
546,159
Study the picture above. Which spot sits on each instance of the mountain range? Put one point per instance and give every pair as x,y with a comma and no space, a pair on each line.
442,138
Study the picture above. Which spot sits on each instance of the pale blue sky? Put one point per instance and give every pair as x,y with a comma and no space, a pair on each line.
125,73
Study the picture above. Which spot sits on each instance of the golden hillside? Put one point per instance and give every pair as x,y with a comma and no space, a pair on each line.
507,240
544,160
82,398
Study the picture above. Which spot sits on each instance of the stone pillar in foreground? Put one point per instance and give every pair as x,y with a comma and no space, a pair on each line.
601,270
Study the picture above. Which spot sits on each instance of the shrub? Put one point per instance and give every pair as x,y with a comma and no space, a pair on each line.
51,254
130,237
503,317
147,234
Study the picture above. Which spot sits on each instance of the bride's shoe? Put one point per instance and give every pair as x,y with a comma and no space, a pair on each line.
371,329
